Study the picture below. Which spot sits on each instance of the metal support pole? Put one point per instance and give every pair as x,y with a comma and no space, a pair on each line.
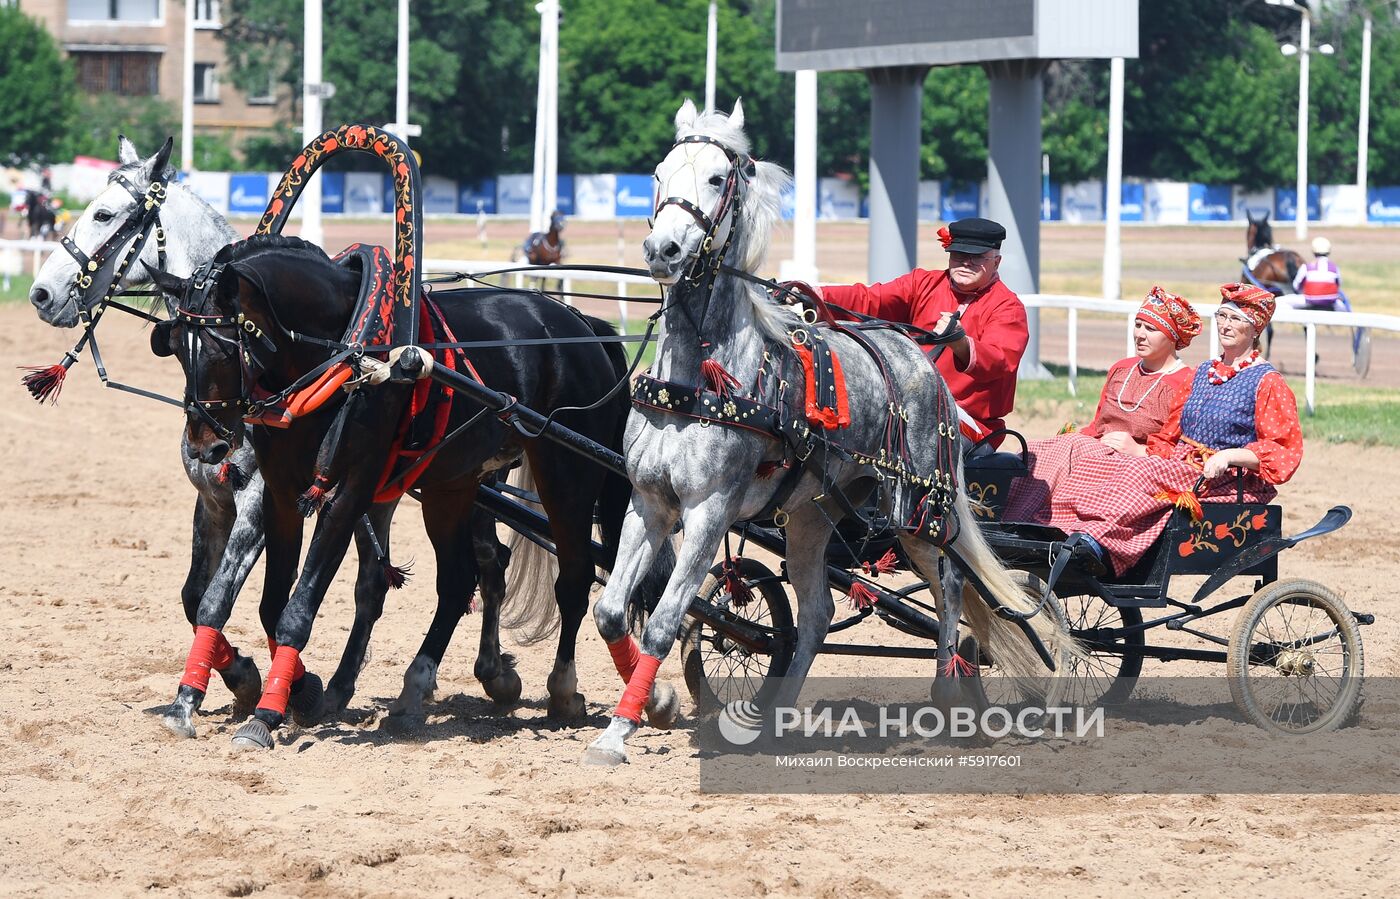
711,40
1113,211
1015,91
551,143
310,200
1300,217
187,98
803,264
401,87
896,106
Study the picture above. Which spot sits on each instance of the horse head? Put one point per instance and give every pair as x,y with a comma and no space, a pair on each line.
1260,232
98,240
711,194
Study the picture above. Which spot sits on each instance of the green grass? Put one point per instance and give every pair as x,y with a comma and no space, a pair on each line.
19,288
1345,413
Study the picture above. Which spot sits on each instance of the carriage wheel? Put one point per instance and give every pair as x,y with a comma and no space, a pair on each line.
1361,352
1295,659
718,670
1099,678
1054,689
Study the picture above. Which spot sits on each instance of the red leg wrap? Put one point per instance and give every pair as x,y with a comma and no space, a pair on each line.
209,651
279,680
634,698
272,650
625,654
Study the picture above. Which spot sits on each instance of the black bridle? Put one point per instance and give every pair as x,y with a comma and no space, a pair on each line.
703,271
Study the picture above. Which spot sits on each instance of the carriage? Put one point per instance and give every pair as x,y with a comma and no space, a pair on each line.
741,637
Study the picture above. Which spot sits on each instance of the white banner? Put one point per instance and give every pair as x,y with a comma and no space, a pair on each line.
1343,204
594,196
439,195
211,187
1082,202
364,193
930,201
1168,202
1255,201
838,199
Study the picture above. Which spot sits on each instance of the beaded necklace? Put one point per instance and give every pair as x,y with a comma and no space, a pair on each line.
1166,370
1220,372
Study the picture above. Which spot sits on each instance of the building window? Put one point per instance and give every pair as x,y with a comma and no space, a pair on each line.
267,97
206,83
128,74
206,14
140,12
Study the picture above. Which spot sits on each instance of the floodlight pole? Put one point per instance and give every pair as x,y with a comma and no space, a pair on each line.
1300,209
401,88
896,107
1113,213
711,52
803,264
310,200
187,100
1363,130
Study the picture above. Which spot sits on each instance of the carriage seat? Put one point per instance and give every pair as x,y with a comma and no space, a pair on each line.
989,476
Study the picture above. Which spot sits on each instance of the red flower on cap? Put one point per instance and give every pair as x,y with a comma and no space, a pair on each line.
945,236
1172,315
1254,303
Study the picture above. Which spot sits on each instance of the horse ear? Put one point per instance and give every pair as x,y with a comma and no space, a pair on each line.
736,118
126,151
685,117
161,161
172,285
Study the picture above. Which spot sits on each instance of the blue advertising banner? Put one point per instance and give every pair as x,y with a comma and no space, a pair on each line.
513,194
959,202
1208,203
332,191
480,196
1131,205
564,194
388,192
1383,204
247,192
1286,203
633,198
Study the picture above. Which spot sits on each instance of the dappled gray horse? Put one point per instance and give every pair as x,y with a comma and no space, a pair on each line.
720,432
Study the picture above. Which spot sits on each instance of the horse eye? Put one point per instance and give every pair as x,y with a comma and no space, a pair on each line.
716,180
102,216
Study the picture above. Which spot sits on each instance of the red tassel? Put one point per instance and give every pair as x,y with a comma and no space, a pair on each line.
397,575
310,502
958,667
44,382
718,380
738,589
883,565
860,596
1185,500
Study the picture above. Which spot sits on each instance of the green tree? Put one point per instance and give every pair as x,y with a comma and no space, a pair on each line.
147,121
37,91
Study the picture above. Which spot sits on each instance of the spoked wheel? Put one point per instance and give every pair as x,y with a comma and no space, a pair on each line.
719,670
1112,662
1050,690
1361,352
1295,659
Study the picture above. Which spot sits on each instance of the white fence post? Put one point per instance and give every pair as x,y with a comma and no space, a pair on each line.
1311,368
1073,350
622,309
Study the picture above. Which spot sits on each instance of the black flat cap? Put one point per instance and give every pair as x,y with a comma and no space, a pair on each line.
975,236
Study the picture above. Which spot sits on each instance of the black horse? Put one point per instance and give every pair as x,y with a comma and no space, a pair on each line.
287,294
40,217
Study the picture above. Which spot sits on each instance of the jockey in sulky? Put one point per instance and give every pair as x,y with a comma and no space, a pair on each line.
980,366
1319,281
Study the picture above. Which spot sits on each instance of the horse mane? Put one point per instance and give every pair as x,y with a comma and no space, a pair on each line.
760,211
240,250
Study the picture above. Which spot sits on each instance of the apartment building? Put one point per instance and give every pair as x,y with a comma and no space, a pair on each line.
136,48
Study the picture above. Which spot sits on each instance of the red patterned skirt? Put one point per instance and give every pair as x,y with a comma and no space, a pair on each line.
1124,502
1052,461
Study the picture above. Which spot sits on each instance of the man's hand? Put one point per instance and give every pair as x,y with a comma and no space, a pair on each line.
962,351
1123,442
800,287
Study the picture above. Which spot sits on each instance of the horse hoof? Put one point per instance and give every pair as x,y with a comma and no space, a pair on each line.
334,700
504,689
179,723
664,707
252,735
305,702
245,682
403,722
567,708
600,757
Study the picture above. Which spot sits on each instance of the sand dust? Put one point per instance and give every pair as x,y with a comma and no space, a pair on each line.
95,797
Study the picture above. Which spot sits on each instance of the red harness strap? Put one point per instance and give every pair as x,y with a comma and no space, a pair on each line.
391,488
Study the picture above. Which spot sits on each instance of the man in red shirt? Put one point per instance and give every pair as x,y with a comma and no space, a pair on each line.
980,367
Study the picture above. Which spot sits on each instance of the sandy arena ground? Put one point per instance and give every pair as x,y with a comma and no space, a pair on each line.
96,798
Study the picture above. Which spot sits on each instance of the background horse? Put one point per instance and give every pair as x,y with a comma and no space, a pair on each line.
722,336
545,247
285,286
1268,265
40,216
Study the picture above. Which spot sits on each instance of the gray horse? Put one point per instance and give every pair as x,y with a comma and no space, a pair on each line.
722,330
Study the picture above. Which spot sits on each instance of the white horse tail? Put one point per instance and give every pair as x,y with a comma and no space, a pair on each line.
1002,637
529,608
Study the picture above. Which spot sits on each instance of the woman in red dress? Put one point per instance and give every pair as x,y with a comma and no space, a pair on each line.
1136,401
1237,413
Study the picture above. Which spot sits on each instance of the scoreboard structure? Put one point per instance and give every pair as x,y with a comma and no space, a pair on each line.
897,42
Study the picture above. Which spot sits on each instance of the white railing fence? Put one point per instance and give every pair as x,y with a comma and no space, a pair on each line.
11,262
